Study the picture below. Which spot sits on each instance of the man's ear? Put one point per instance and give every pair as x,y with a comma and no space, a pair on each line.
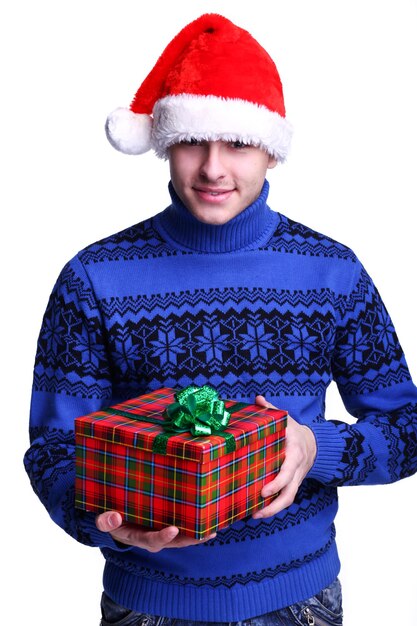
272,162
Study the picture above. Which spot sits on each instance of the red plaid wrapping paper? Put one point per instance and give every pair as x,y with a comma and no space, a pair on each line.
195,486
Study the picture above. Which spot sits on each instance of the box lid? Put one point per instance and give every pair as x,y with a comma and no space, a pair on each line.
115,425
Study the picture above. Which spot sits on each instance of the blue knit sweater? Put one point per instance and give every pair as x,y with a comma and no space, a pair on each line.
258,305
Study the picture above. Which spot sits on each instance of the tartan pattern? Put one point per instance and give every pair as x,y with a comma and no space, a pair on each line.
154,490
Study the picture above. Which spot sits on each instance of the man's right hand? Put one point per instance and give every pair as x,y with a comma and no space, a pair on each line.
151,540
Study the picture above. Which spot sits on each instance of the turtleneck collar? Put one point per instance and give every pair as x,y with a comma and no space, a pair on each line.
247,230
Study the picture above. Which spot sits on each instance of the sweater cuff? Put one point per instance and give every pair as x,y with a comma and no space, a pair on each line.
330,449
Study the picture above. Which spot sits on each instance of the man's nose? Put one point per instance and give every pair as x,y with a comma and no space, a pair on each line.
213,162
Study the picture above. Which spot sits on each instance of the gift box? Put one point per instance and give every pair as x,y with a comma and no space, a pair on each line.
141,459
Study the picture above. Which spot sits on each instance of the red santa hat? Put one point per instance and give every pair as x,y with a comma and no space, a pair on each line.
213,81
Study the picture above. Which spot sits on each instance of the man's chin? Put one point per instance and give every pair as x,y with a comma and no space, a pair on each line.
213,217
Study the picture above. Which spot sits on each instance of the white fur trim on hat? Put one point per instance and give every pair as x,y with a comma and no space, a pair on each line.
183,117
129,132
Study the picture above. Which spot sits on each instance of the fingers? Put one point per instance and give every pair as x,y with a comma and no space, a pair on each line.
131,535
299,458
287,475
283,501
183,542
285,485
151,540
155,540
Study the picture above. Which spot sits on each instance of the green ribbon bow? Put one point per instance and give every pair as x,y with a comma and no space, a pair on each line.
198,410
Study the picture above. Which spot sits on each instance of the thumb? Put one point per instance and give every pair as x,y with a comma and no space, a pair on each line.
260,401
109,521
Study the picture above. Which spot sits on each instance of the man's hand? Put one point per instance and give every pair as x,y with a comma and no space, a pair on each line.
300,452
151,540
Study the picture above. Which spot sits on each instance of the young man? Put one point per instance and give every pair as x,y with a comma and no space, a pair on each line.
219,289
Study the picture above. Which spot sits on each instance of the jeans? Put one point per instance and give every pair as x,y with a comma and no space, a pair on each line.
324,609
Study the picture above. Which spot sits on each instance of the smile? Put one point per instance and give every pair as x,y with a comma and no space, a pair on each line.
213,195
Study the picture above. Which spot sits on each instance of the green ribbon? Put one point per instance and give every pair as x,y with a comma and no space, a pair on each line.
197,410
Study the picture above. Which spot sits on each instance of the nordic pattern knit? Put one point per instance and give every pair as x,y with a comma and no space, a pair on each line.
258,305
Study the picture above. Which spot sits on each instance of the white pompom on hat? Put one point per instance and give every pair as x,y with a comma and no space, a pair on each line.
129,132
213,81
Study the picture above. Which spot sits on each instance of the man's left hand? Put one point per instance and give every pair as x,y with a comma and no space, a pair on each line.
300,452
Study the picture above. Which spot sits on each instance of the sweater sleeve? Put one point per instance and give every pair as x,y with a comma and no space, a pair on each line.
71,378
373,379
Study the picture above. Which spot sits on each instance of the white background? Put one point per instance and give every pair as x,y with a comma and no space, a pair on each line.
349,74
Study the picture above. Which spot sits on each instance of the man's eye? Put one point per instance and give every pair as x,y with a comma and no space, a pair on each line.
192,142
237,145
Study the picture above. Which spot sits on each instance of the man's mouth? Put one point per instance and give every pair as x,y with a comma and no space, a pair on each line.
211,191
213,196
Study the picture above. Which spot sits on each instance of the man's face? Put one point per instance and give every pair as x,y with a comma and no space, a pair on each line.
216,180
